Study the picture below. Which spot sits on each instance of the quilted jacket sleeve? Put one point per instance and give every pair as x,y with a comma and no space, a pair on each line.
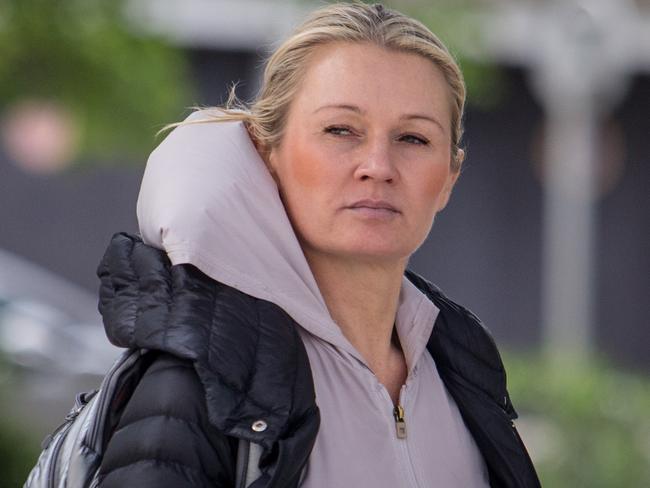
164,438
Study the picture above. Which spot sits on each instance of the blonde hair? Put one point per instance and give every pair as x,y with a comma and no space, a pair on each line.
265,117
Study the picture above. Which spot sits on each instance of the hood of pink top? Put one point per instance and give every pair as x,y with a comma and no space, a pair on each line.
208,199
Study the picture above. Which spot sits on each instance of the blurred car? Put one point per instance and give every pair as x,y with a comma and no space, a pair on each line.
52,342
49,324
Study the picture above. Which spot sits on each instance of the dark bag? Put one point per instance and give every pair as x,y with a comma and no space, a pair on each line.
73,453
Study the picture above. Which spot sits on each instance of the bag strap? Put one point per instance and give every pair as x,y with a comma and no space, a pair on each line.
248,460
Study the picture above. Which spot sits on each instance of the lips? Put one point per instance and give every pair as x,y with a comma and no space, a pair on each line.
378,205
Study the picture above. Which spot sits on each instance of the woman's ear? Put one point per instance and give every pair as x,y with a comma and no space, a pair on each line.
264,152
270,164
269,157
460,157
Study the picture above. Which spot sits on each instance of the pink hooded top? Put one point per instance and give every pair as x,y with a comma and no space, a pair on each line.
207,199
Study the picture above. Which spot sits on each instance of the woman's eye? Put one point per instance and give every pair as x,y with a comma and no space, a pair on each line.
338,131
411,139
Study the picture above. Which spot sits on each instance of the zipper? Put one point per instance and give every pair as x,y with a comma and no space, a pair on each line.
399,418
400,421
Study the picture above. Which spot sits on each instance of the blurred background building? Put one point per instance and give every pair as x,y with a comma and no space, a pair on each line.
546,237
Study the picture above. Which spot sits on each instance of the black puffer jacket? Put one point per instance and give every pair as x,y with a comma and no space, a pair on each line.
228,359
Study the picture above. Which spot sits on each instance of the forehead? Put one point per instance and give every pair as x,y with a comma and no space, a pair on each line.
379,80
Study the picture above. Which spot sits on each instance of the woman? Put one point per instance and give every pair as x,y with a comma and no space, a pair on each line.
272,280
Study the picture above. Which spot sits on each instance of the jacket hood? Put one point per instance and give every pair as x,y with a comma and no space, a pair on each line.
232,339
207,199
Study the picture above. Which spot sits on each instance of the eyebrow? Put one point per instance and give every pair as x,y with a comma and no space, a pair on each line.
358,110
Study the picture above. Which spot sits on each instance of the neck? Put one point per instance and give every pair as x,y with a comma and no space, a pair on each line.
362,298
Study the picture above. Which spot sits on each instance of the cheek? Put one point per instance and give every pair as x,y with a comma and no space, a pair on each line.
300,168
427,176
432,184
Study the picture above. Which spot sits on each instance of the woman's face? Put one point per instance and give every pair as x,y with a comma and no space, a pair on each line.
364,163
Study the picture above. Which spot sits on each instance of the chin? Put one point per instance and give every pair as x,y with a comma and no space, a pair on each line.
363,247
376,252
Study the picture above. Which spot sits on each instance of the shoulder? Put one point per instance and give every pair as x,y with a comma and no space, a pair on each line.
169,385
458,324
463,347
164,433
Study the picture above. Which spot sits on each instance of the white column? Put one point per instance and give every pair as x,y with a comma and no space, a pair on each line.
579,54
568,227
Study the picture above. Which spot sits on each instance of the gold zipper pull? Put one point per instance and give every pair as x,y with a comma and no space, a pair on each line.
400,423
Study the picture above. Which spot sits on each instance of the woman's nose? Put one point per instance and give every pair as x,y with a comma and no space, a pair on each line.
375,162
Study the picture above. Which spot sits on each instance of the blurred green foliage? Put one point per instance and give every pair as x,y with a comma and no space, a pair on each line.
19,448
455,22
586,423
18,454
120,85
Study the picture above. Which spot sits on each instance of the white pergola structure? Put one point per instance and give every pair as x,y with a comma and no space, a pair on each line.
222,24
580,55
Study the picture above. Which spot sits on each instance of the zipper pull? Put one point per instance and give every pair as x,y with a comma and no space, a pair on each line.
400,422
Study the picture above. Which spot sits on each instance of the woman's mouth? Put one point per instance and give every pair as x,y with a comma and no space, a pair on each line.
379,209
